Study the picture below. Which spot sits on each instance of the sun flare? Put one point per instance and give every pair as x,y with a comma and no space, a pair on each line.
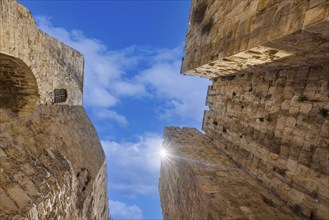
163,153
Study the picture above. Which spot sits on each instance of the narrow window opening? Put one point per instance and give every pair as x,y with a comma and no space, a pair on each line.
60,95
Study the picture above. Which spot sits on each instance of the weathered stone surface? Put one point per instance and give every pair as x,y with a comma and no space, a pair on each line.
287,150
226,37
268,110
53,64
198,181
52,165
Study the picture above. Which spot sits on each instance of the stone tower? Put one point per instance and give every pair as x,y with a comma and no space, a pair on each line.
265,151
52,165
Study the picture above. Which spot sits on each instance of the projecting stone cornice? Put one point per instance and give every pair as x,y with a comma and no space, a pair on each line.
230,37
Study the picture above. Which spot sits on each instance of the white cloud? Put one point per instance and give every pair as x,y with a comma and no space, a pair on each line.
134,166
123,88
169,55
121,210
99,97
185,94
112,115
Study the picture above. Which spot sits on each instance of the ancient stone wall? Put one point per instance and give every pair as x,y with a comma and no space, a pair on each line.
275,125
268,110
54,64
52,165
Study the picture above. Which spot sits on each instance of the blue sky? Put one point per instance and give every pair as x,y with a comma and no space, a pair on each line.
132,88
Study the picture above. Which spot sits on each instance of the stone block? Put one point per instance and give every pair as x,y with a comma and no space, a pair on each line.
316,15
292,165
325,130
19,196
298,141
306,108
7,205
285,105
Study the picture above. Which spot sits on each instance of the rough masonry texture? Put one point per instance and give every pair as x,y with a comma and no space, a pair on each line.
228,37
209,185
52,165
265,151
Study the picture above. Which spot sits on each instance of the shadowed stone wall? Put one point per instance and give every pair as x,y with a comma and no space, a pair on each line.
52,165
18,86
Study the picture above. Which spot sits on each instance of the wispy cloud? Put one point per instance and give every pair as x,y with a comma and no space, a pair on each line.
183,95
111,115
120,210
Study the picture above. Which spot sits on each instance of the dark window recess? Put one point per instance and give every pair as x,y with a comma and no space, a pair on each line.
60,95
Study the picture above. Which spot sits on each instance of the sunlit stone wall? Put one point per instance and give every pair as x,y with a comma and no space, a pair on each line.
275,125
268,111
54,64
52,165
226,37
199,181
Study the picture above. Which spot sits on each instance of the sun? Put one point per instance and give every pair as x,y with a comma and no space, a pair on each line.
163,153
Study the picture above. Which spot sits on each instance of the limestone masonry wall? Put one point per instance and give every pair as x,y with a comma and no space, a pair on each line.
275,125
52,165
54,64
267,127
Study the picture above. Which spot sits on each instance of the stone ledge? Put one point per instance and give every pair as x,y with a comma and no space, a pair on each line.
298,37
